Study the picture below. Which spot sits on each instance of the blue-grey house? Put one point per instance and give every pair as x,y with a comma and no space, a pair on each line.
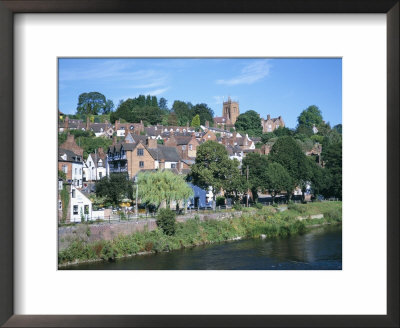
199,197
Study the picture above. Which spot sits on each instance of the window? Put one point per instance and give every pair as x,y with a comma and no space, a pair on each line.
100,163
75,209
90,163
59,205
190,147
73,193
141,164
277,126
76,171
184,147
140,152
86,210
173,166
100,175
65,168
131,127
80,171
60,184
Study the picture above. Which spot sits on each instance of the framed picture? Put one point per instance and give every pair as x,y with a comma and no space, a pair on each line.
210,297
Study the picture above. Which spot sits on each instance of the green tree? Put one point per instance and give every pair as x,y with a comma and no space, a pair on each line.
196,122
166,221
277,180
93,103
288,153
250,123
115,188
256,164
310,116
332,158
156,187
213,168
183,111
205,113
163,104
283,131
266,137
172,119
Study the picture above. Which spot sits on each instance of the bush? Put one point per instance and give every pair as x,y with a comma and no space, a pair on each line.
166,221
258,206
237,206
220,201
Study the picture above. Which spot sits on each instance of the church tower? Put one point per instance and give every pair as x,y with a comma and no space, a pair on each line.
230,111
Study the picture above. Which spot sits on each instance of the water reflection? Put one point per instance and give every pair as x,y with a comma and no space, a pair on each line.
319,249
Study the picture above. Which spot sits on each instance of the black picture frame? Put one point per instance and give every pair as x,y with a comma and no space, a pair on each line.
10,7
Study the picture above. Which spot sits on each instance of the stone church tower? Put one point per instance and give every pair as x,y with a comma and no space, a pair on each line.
230,111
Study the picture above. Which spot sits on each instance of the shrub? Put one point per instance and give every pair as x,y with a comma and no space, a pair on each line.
166,221
258,205
108,253
237,206
220,201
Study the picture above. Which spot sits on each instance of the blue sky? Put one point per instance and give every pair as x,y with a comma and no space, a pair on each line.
269,86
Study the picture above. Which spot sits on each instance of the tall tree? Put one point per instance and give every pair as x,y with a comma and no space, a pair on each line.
250,123
288,153
183,112
195,122
332,158
310,116
93,103
162,104
115,188
205,113
256,164
213,168
156,187
277,180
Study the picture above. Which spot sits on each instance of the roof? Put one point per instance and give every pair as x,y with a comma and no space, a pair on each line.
70,156
168,154
220,119
97,127
182,140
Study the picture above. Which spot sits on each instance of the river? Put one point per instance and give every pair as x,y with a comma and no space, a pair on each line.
318,249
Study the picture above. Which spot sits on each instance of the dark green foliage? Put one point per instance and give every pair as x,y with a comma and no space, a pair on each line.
277,180
250,123
93,103
257,164
309,117
138,109
162,104
205,113
220,201
287,152
338,128
115,188
283,131
332,157
213,168
266,137
183,111
166,221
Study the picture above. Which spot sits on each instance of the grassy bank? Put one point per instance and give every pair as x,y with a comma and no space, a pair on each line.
268,221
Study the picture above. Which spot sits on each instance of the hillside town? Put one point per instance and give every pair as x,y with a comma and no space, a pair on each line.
138,148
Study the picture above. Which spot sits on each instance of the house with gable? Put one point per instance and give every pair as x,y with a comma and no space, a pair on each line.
95,166
185,144
72,166
271,124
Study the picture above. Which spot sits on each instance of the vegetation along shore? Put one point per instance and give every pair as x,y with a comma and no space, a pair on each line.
272,222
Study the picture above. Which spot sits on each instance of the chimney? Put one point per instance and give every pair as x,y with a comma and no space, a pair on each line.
116,125
151,143
207,124
100,151
279,117
114,140
87,123
268,117
234,136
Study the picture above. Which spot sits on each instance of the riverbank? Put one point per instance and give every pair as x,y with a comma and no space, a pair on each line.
253,223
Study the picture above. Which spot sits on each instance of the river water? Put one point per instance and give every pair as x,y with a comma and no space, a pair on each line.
318,249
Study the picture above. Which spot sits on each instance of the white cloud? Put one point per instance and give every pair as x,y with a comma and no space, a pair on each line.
156,92
249,74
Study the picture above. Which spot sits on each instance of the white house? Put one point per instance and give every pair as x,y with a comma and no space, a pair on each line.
95,167
81,206
68,160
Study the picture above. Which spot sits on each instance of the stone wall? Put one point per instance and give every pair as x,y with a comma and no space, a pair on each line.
108,231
